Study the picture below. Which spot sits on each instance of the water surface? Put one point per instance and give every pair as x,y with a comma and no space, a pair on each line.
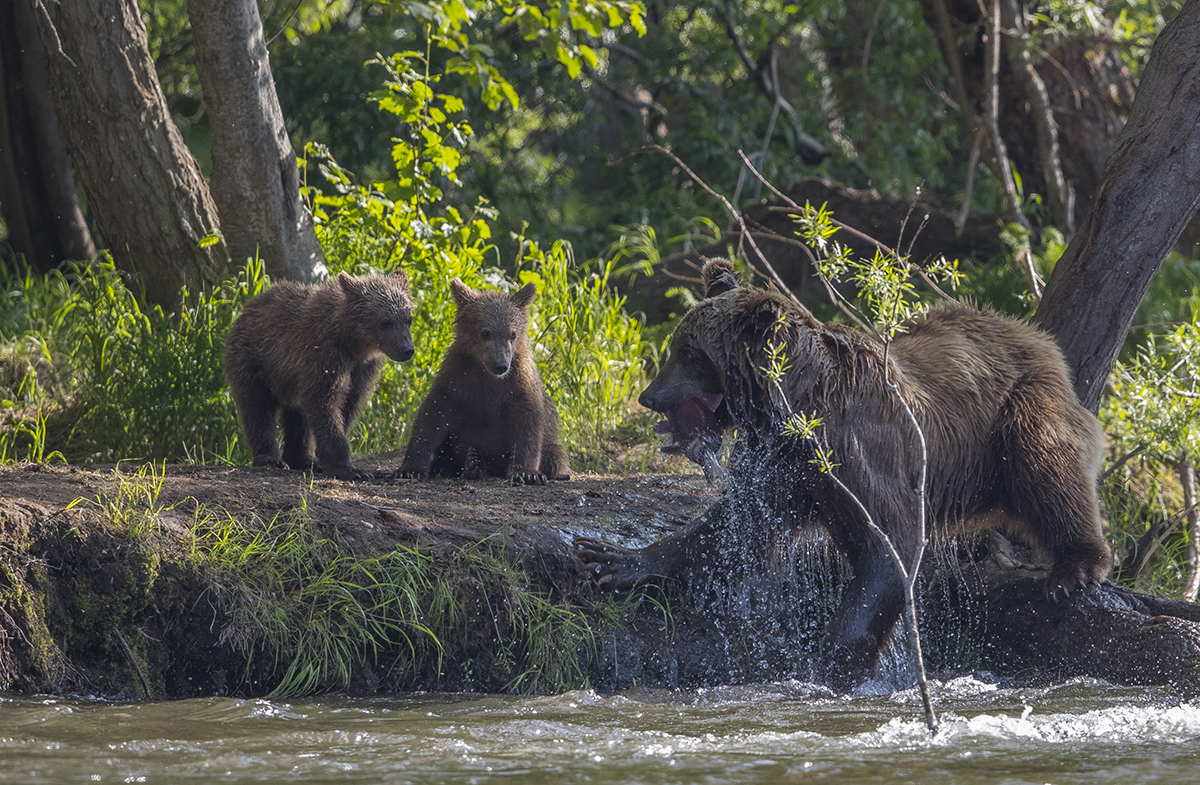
1079,732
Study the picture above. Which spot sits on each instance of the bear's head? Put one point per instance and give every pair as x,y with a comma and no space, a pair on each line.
717,373
492,326
690,386
380,310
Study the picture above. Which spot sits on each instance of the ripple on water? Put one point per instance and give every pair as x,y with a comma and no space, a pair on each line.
1077,732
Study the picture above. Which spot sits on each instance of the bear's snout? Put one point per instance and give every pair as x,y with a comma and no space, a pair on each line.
649,400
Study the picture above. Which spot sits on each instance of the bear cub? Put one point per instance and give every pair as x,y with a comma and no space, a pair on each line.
314,353
487,412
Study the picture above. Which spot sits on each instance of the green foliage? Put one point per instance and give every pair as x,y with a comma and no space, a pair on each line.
1155,405
537,644
121,381
1152,418
303,608
307,611
150,384
588,349
887,295
132,509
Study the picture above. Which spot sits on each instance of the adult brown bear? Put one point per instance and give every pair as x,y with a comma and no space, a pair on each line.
1009,446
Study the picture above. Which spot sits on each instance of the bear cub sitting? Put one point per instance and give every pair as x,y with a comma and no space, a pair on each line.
314,352
487,412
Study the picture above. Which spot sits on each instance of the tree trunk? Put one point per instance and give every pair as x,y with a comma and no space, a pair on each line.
1187,477
1151,189
37,186
255,181
144,190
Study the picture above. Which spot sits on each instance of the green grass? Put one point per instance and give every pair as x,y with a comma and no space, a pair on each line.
302,607
101,379
300,610
308,611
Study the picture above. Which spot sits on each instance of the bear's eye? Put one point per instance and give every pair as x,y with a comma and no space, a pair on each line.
512,336
485,334
386,324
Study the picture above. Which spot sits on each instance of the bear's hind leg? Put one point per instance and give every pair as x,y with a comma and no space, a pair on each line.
257,408
297,441
1052,457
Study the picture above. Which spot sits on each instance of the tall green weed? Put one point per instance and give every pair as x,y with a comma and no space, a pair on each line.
104,379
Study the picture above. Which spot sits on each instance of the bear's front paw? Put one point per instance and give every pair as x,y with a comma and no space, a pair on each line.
527,478
1060,585
612,567
351,474
269,462
407,473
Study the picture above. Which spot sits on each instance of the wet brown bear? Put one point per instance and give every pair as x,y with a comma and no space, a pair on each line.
487,412
314,352
1009,446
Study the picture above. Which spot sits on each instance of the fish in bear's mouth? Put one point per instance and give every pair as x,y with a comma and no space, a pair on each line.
695,427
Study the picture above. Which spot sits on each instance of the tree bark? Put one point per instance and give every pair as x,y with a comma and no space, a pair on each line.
37,186
1151,189
1187,478
255,180
143,187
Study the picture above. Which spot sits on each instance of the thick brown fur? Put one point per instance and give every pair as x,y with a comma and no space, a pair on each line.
487,411
314,353
1009,445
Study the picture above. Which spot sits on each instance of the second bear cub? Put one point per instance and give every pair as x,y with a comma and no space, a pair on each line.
487,411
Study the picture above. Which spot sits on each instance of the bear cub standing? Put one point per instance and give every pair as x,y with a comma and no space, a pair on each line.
314,352
487,412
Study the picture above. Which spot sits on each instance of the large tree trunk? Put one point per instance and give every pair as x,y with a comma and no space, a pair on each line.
255,181
37,186
1150,190
144,190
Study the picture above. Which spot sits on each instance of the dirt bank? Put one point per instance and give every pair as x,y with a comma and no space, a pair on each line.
89,557
189,581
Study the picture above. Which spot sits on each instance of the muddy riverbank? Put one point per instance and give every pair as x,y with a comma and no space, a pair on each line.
190,581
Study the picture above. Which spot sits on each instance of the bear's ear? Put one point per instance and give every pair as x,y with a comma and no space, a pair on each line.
720,277
349,285
462,293
401,277
524,296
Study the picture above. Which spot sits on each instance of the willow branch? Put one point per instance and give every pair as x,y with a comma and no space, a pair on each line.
992,113
1043,118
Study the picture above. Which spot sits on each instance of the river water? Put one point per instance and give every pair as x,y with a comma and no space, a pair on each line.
1078,732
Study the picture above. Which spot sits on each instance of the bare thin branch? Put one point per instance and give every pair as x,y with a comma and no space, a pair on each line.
774,276
972,161
1004,170
866,55
1045,126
